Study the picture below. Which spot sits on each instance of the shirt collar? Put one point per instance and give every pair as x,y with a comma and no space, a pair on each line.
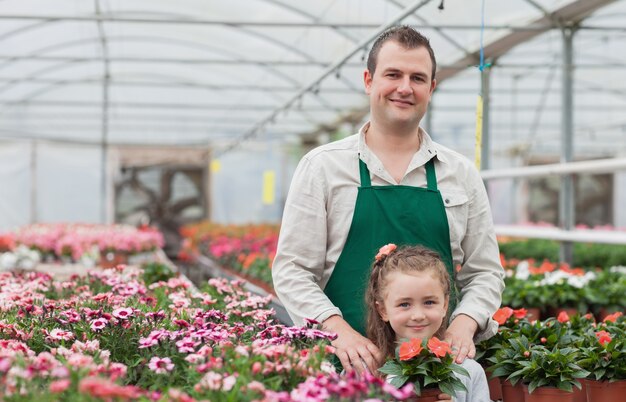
427,150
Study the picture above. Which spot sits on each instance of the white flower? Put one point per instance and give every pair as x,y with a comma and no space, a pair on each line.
522,272
8,260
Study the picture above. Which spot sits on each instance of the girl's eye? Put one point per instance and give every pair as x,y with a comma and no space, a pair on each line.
405,304
430,302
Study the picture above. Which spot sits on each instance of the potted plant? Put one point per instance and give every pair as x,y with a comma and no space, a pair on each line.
428,364
603,354
505,364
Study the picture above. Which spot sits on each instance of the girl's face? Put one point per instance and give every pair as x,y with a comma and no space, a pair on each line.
414,304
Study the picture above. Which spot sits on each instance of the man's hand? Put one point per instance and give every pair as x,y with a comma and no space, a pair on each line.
460,336
353,350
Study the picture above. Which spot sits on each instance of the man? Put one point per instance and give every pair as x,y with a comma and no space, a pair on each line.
389,183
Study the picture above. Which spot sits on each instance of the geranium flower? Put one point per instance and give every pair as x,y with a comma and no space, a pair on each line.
603,337
410,349
563,317
385,251
502,315
161,365
613,317
439,347
520,313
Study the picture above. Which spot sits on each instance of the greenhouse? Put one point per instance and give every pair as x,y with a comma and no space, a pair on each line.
338,200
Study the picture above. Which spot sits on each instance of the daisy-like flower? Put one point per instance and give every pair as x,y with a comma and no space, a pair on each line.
99,324
161,365
60,335
123,313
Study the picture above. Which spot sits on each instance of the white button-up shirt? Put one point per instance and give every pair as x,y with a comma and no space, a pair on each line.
318,214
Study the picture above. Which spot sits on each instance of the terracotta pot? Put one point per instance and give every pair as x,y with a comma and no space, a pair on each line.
113,259
604,391
512,393
548,394
428,395
580,395
495,388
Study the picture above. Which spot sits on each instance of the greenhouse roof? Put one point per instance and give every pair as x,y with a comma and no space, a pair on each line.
218,74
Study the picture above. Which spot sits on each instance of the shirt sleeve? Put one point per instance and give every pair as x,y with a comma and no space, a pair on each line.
300,259
476,384
481,278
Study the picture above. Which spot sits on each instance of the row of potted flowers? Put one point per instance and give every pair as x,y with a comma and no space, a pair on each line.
85,243
109,335
247,249
546,287
569,358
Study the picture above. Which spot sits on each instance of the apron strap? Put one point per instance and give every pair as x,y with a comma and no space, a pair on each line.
431,177
365,174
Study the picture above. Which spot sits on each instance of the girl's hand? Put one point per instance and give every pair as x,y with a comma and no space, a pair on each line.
444,397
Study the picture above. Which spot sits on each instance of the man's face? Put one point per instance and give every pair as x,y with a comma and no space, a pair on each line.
401,86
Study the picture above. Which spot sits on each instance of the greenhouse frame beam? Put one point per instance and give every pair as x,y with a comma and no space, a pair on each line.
566,191
282,63
294,24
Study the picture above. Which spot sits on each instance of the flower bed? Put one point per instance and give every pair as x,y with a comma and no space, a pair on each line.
248,249
84,243
110,335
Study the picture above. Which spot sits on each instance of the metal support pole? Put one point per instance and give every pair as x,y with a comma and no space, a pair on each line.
33,182
485,90
566,193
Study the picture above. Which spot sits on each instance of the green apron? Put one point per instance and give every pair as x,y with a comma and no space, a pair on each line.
398,214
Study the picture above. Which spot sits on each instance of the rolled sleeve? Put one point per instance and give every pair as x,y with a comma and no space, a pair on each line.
481,277
300,260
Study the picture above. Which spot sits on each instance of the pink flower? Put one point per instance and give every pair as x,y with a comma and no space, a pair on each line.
385,251
563,317
161,365
56,387
123,313
99,324
60,335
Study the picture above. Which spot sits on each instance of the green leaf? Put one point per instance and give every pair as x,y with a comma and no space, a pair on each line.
447,388
398,381
459,370
391,367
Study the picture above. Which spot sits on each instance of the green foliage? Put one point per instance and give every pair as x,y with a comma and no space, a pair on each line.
157,271
588,255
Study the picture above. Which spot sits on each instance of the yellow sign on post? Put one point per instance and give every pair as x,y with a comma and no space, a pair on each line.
479,131
269,184
216,165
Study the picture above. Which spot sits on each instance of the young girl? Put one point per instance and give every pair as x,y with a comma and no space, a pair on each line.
407,297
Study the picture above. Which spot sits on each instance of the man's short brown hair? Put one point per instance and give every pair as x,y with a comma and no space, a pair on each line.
408,38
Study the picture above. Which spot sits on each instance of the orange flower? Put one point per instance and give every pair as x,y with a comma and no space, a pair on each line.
439,347
563,317
613,317
520,313
503,314
410,349
603,337
385,250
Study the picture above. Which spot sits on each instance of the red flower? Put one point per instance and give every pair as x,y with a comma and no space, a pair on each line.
613,317
438,347
410,349
503,314
520,313
563,317
603,337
